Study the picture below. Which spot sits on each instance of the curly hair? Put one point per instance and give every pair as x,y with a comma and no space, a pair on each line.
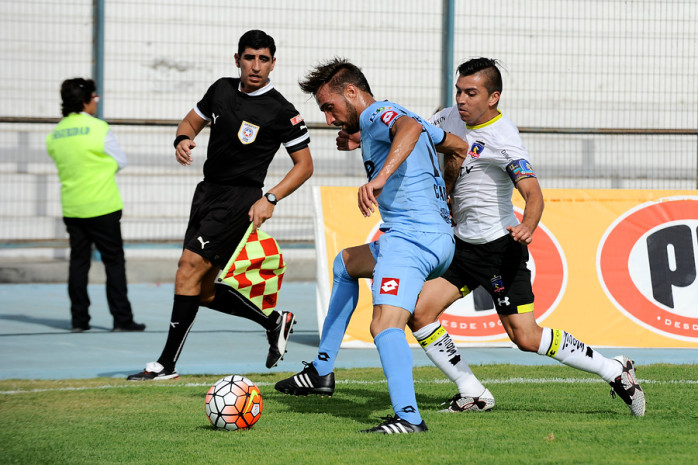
75,93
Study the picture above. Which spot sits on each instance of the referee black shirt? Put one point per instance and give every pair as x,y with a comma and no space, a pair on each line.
246,131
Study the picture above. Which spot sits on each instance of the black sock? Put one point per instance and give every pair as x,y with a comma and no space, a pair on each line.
228,300
184,311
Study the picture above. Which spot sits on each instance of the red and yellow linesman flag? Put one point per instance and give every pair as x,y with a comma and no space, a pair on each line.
256,269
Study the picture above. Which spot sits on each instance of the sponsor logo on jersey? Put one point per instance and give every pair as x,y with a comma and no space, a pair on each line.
476,149
388,116
247,132
438,121
647,262
372,118
296,119
390,286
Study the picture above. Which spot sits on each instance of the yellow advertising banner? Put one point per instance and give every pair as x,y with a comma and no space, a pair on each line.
616,268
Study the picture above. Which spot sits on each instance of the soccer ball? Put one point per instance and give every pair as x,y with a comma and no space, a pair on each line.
233,403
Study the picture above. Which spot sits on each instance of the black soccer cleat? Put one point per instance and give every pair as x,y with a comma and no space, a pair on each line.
396,425
154,371
307,382
278,338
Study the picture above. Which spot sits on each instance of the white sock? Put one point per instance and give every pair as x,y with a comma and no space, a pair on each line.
565,348
439,346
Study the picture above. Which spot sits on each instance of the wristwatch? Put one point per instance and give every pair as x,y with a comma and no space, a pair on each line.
271,198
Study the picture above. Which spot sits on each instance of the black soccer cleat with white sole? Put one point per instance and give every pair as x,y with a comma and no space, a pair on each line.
307,382
461,403
396,425
278,338
627,388
154,371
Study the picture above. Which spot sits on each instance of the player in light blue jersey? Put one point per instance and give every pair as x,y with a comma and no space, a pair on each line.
404,182
492,243
415,195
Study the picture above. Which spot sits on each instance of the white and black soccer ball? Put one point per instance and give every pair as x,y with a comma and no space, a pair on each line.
233,403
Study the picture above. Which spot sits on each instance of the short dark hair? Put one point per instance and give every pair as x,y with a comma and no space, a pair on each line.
75,93
337,73
256,39
489,66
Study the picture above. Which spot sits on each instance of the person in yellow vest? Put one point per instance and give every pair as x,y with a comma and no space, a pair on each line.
87,157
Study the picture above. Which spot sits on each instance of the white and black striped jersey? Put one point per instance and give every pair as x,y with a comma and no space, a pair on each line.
481,198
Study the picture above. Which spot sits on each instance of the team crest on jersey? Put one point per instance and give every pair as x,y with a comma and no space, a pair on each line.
248,132
476,149
497,283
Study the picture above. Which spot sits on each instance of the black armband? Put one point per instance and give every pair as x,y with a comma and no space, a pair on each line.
179,139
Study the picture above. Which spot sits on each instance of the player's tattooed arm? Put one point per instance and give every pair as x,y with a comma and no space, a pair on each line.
455,150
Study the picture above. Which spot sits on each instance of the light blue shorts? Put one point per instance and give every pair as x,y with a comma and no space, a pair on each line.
404,261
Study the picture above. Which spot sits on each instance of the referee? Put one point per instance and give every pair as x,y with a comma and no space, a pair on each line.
249,121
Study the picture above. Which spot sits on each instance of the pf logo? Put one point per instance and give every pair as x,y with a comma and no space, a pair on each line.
474,318
646,263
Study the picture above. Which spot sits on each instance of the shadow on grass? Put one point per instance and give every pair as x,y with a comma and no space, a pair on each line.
363,405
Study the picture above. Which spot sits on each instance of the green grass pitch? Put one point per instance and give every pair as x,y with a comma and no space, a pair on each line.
544,414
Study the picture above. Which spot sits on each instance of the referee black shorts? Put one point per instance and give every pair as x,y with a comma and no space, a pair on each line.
218,220
499,267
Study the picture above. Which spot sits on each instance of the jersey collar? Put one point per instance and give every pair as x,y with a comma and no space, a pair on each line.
487,123
257,92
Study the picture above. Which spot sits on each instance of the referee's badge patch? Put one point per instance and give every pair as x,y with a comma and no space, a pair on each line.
248,132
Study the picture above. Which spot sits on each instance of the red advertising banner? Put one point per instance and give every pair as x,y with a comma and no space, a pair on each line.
613,267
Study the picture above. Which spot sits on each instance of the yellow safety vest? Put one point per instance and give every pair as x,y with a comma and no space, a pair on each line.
86,172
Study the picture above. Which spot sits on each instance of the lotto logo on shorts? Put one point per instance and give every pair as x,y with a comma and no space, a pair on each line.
390,286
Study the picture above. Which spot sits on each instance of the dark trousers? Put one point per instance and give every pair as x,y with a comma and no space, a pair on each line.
105,233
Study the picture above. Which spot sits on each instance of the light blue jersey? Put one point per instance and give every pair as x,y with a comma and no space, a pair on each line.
414,197
417,245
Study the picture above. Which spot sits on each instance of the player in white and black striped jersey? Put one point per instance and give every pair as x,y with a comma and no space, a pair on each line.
491,247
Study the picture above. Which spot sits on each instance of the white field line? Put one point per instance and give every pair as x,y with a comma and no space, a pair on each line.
166,383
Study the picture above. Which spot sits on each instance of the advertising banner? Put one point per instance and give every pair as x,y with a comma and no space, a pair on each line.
616,268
